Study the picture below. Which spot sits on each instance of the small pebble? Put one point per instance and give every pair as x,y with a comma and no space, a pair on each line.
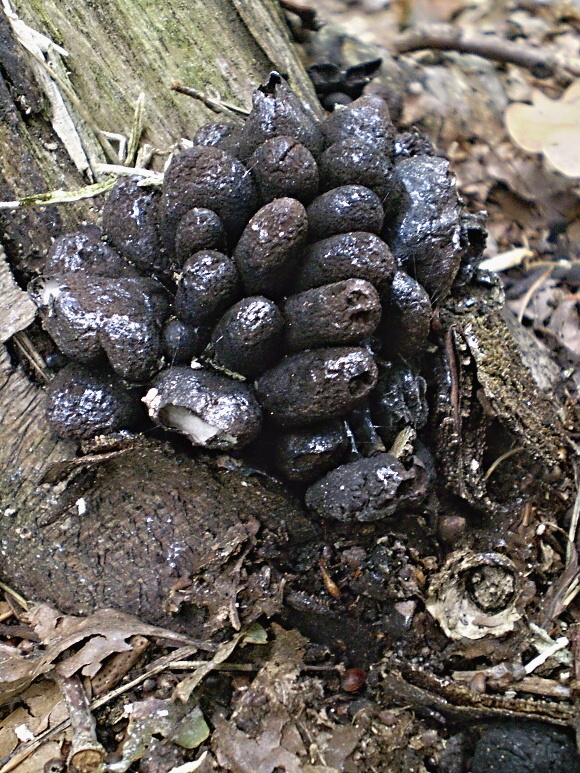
353,679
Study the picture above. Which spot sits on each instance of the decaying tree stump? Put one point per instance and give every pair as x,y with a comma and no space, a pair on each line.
115,51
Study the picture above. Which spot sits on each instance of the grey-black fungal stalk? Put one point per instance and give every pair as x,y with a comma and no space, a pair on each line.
406,319
248,338
268,250
344,209
367,119
207,284
86,251
199,229
207,177
366,490
277,110
423,223
357,255
306,453
130,222
282,167
91,318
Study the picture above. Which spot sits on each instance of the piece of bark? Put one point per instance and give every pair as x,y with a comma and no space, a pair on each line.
135,527
17,311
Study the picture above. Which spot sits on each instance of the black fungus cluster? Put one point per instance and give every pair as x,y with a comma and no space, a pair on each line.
276,294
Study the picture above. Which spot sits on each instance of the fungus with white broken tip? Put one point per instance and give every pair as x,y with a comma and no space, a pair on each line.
209,409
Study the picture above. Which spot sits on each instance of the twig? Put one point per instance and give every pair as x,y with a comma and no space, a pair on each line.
22,601
573,531
535,286
23,342
86,753
306,13
120,170
494,465
447,37
213,104
60,196
136,132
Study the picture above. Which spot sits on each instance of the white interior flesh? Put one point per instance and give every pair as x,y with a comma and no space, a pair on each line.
196,429
50,292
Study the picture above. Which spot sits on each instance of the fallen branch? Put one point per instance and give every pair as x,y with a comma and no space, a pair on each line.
86,753
447,37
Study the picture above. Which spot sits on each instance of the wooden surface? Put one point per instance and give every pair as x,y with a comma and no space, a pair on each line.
116,50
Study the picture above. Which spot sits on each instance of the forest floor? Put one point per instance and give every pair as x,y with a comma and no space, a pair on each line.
319,685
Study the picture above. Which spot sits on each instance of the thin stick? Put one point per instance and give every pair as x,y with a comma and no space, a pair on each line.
574,520
136,132
60,196
306,13
447,37
213,104
22,601
531,292
493,467
27,348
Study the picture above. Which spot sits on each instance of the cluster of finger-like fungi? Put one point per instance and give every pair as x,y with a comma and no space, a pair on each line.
278,290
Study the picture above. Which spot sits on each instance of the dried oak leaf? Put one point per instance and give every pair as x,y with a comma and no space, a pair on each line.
549,126
106,632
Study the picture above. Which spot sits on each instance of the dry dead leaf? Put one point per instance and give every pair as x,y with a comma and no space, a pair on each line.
42,707
549,126
182,724
106,632
565,324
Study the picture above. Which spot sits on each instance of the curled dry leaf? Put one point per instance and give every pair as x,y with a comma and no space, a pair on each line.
549,126
103,633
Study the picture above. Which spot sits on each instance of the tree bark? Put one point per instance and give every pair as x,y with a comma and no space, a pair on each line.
116,50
